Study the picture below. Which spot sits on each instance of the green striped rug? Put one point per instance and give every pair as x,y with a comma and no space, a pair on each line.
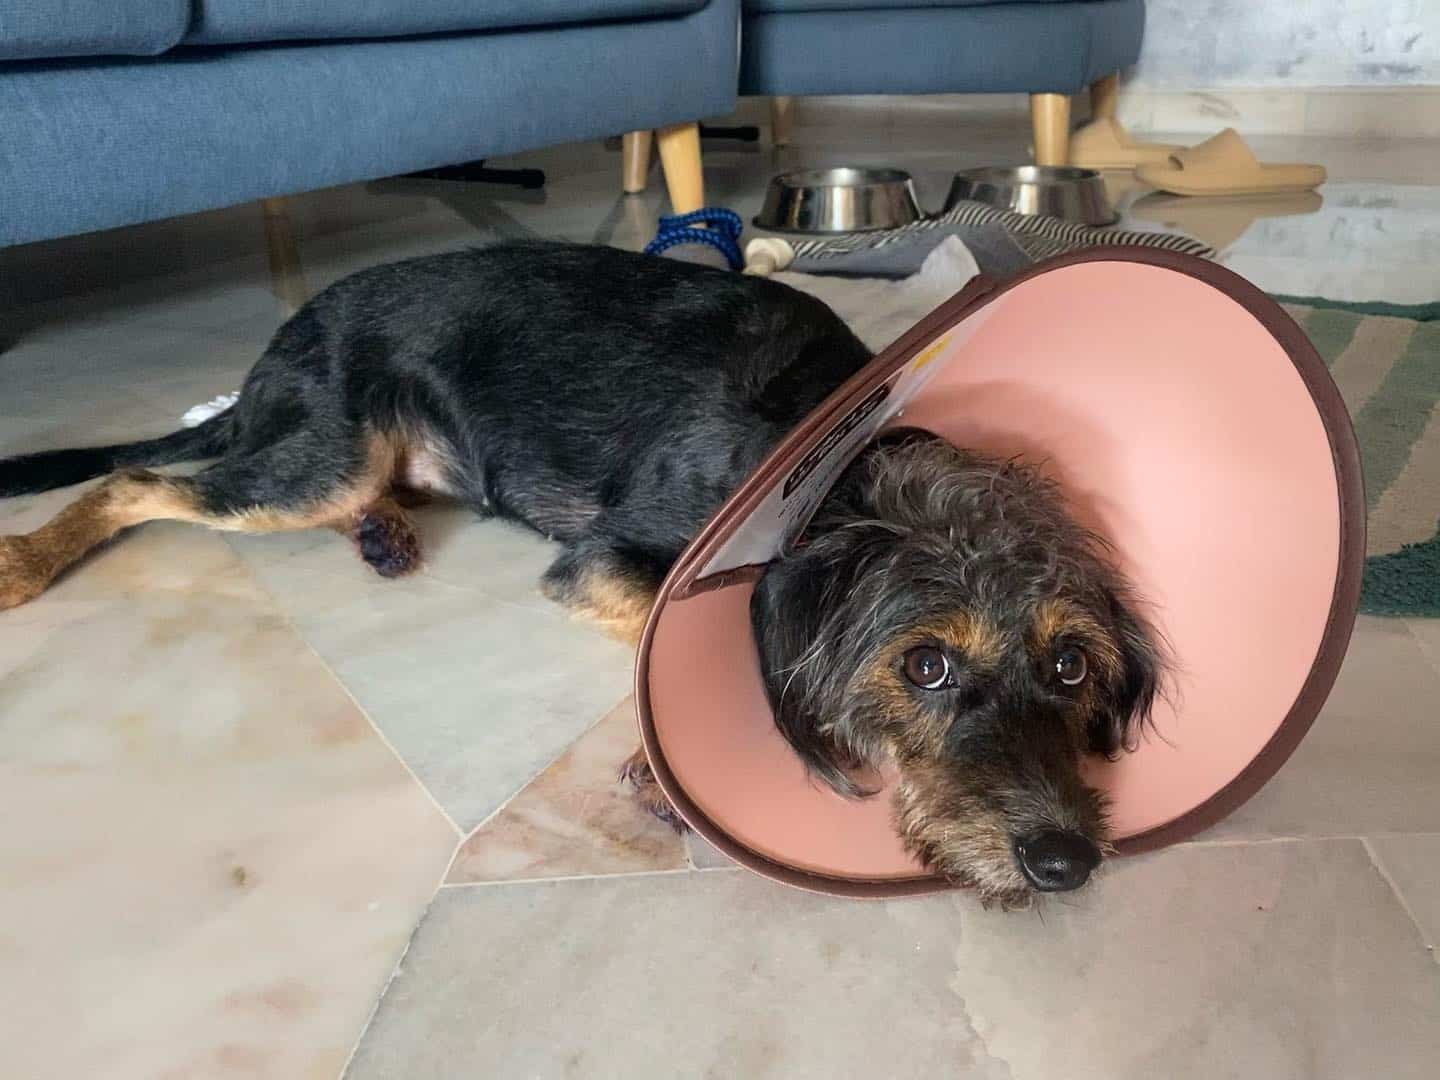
1386,360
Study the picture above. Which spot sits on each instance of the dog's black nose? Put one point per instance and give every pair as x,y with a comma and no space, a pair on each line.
1056,861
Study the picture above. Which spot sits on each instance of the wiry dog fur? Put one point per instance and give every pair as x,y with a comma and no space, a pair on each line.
612,402
923,549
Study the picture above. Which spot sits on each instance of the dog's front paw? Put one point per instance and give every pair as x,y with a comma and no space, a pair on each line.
22,576
638,775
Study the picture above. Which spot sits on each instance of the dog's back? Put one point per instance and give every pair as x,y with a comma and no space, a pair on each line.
554,377
586,391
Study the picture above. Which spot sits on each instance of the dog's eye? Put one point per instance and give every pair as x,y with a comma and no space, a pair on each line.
1070,666
927,667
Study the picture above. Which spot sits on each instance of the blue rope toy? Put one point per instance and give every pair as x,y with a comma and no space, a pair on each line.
723,233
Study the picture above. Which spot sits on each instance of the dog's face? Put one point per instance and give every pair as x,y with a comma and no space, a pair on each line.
945,614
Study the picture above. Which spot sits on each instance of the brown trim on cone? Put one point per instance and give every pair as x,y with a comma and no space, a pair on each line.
1345,601
1345,452
681,581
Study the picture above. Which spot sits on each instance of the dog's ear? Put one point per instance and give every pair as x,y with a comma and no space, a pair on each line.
787,616
1118,723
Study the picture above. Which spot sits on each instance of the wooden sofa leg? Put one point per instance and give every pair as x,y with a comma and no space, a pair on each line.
680,158
287,277
635,150
1050,124
782,119
1105,97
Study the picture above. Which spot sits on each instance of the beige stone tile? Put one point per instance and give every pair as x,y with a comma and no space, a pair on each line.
500,560
1276,960
682,974
1346,114
704,855
1404,165
477,694
137,366
574,818
1219,221
42,417
1427,633
125,400
1412,866
223,299
1202,113
213,367
1345,250
1409,112
235,300
1371,762
211,860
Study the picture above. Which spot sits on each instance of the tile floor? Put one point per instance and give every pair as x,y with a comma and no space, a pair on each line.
240,774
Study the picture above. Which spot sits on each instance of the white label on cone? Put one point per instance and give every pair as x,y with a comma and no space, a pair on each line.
788,506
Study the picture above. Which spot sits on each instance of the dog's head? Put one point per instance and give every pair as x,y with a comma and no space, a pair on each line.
943,612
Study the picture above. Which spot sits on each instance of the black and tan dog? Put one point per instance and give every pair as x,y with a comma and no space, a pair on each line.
943,613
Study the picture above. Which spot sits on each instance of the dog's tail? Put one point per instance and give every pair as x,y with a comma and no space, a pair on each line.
49,469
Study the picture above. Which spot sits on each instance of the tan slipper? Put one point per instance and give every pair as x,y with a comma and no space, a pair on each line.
1224,165
1104,144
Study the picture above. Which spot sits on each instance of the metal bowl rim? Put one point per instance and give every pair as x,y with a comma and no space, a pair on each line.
1036,175
835,177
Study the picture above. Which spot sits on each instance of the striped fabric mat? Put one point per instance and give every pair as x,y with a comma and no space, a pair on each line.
1386,360
1039,237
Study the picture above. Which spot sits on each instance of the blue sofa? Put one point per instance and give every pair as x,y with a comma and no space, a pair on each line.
1049,49
935,46
114,112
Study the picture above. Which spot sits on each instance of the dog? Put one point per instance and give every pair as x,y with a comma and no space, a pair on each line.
941,612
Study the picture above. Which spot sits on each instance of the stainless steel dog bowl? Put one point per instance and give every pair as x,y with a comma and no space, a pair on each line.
839,201
1055,191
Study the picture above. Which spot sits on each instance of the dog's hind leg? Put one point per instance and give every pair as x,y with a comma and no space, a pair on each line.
29,563
290,485
609,586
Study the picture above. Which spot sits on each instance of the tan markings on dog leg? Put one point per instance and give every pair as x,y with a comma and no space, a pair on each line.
23,572
619,605
29,563
338,510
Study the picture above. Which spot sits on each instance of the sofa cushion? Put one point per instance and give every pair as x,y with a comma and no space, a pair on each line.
41,29
1032,48
774,6
93,146
220,22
